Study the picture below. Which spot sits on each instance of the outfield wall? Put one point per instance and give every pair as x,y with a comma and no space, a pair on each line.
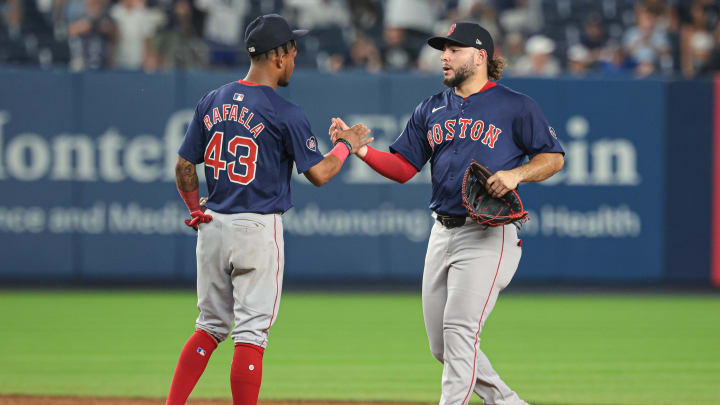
87,168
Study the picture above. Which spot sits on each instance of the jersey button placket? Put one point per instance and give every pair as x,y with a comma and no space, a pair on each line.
457,121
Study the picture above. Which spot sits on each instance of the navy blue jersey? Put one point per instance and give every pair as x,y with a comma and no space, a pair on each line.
497,127
248,137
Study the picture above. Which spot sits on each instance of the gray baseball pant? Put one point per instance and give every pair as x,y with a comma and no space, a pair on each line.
240,261
465,270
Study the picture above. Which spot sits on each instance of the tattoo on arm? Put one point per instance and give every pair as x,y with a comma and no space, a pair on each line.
185,176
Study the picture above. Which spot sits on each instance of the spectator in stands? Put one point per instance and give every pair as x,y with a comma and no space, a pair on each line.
612,61
700,14
713,64
428,60
513,48
91,37
696,36
224,30
482,12
3,16
700,53
538,60
318,14
326,20
594,37
46,9
367,16
396,52
178,45
136,25
25,34
667,21
645,62
525,17
364,55
646,42
12,49
579,60
69,10
412,15
667,35
408,24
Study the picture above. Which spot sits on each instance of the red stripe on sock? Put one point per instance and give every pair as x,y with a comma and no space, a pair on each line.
477,335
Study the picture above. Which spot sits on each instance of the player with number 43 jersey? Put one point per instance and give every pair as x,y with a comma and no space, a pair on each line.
249,137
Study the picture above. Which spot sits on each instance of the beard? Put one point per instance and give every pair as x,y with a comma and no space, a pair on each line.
461,74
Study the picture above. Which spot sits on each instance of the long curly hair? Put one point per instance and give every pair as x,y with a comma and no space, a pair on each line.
495,67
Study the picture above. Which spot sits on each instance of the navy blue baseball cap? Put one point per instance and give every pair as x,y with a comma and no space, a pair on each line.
466,34
268,32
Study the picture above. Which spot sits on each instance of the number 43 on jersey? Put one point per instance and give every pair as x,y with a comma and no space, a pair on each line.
213,158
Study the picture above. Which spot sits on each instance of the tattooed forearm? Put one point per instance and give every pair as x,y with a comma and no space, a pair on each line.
185,176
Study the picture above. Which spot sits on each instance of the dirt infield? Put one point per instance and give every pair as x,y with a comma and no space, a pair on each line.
45,400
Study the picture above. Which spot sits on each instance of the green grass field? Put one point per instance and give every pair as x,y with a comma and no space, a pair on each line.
562,349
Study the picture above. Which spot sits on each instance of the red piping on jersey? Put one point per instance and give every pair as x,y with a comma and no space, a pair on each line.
248,83
715,235
477,335
277,274
394,166
489,85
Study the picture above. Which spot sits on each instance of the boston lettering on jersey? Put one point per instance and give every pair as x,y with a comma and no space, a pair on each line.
435,135
230,113
496,126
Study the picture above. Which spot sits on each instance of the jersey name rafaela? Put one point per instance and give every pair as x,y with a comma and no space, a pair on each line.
497,127
248,136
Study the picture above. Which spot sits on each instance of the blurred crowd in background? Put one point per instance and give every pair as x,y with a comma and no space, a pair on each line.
546,38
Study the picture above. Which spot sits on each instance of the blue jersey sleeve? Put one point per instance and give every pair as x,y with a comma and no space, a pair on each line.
301,144
533,133
412,144
192,147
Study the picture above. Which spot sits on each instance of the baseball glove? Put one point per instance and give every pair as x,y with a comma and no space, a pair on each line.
486,209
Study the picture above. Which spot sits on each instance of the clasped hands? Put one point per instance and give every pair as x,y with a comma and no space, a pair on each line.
355,135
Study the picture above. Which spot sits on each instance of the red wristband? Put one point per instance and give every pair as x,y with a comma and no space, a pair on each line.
191,198
340,151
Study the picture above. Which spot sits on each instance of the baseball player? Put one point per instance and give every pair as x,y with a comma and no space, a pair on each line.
467,265
248,137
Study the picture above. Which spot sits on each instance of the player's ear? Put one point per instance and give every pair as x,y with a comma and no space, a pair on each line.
278,60
480,57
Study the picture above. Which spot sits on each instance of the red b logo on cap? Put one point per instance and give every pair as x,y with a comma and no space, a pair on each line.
452,28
